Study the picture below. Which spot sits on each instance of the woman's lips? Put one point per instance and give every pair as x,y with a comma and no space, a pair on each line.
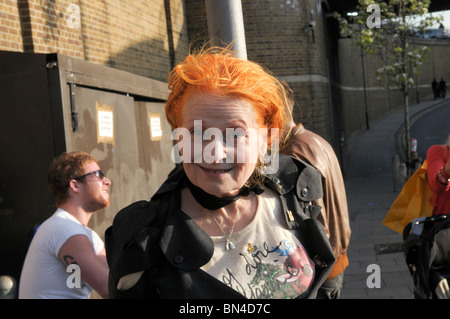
215,171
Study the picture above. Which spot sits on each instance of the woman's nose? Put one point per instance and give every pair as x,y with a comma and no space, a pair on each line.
215,151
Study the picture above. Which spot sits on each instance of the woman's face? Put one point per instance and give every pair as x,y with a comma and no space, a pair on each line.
224,142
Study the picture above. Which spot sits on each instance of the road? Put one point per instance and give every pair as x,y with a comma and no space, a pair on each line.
432,127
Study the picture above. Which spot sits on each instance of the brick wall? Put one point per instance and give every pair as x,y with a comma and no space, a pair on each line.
128,35
138,36
11,38
276,38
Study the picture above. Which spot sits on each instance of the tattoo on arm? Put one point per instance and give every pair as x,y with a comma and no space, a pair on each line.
69,260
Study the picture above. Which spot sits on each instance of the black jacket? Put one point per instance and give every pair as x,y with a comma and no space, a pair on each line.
158,238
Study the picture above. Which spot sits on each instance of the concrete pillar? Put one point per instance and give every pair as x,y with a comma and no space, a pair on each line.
226,25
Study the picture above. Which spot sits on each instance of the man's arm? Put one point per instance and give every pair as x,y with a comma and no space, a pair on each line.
94,268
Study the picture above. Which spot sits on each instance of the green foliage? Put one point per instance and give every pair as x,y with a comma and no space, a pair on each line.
393,38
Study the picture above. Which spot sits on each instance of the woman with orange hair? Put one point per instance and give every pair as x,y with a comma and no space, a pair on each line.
230,221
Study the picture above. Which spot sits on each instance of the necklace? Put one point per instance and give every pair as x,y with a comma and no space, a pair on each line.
229,244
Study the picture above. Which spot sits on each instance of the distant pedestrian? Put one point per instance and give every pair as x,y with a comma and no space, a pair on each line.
442,88
435,88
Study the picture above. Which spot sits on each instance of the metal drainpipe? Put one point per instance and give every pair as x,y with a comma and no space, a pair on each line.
226,25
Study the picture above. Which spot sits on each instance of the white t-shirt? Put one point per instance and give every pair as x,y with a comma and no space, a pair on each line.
268,260
44,275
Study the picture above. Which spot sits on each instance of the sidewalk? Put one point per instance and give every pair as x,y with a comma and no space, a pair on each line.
370,193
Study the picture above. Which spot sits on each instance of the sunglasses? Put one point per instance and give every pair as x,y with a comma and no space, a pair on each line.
99,173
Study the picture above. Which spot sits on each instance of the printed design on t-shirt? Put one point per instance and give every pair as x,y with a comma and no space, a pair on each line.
251,248
280,272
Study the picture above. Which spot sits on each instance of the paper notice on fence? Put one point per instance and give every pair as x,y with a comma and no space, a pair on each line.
105,123
154,121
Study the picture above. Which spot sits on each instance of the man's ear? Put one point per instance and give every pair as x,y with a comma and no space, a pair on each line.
74,185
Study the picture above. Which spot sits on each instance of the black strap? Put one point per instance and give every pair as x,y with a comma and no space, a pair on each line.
213,202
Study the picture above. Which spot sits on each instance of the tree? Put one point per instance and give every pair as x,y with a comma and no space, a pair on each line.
387,29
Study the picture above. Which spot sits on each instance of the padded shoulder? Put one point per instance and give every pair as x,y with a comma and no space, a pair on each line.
130,220
294,173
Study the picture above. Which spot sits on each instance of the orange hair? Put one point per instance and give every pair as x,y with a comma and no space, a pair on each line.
216,71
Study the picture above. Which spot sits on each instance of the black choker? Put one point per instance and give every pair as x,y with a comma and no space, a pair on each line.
213,202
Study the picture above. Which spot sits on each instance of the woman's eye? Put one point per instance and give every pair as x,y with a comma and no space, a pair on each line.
238,136
196,133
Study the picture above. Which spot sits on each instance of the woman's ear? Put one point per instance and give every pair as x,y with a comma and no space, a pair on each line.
262,150
269,157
